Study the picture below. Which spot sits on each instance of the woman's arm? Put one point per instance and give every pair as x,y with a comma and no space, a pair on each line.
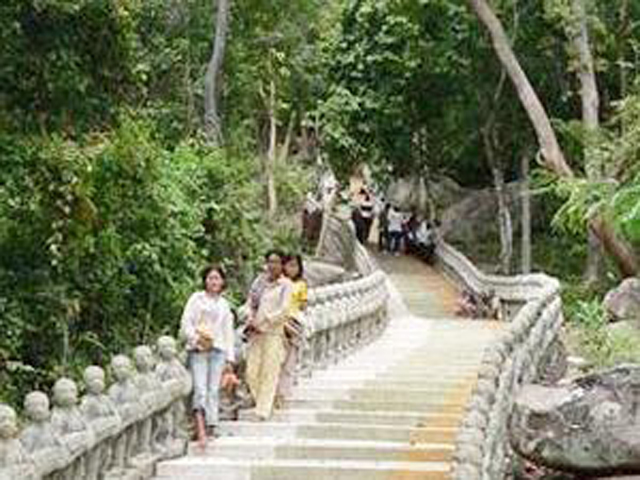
188,322
228,334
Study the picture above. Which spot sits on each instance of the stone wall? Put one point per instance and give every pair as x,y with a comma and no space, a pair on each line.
123,431
534,312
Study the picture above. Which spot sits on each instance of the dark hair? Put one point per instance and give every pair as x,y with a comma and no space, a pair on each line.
274,251
217,268
298,258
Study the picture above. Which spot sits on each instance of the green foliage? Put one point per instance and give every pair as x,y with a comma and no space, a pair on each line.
602,345
618,195
65,65
103,240
389,58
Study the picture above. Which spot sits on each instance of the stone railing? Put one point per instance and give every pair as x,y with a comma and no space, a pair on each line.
122,432
119,433
342,317
534,310
339,245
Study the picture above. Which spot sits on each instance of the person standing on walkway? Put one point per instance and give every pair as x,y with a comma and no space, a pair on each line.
207,327
366,212
383,228
266,351
294,327
395,220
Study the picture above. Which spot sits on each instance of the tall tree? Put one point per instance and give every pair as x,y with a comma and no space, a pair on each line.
551,154
590,120
525,223
212,120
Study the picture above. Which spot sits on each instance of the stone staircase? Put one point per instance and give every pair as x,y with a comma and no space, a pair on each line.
390,411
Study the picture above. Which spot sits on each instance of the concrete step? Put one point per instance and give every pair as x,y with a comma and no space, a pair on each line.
201,468
442,405
262,448
391,384
395,374
342,431
381,393
364,418
403,368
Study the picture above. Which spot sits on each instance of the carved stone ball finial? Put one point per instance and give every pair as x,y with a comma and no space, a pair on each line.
8,422
94,380
65,393
36,406
167,347
144,358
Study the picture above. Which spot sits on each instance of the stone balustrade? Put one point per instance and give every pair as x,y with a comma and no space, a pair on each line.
534,311
123,431
115,433
342,317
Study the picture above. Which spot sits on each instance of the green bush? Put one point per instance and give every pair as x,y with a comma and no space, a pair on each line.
102,241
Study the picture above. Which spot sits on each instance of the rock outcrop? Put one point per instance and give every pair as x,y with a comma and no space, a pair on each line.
623,302
412,193
590,426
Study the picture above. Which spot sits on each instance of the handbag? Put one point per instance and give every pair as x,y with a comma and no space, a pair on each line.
205,336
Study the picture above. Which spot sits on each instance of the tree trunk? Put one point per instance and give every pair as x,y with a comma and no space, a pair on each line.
504,220
286,145
590,113
551,154
272,200
525,196
623,33
505,226
212,121
550,149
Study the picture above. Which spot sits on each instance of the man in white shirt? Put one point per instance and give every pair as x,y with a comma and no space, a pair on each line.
395,222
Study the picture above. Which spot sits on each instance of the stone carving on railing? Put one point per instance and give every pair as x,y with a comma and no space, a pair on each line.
482,449
121,432
39,439
171,432
70,426
100,413
15,461
126,397
115,435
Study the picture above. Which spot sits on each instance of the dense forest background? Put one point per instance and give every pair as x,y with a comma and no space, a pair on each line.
140,140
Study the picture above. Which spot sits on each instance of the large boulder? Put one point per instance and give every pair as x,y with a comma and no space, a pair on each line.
412,194
623,302
590,426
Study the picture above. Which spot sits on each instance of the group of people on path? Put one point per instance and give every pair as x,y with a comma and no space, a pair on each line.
398,231
273,331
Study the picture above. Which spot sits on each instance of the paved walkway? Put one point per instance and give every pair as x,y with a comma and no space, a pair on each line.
390,411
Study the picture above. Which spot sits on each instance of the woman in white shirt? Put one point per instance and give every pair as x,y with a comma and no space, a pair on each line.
207,326
395,220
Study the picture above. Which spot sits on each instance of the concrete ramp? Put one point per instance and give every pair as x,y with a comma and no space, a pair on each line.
390,411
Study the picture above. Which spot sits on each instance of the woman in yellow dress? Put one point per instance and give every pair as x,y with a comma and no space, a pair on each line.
294,270
266,351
